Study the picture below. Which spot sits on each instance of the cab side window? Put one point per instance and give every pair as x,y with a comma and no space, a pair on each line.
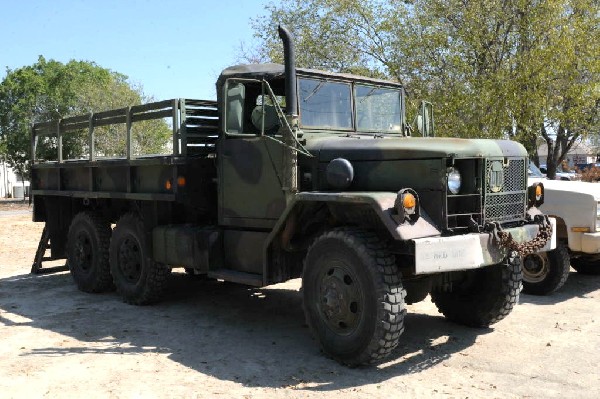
239,105
249,109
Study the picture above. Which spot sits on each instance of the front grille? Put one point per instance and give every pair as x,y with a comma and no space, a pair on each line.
508,204
505,207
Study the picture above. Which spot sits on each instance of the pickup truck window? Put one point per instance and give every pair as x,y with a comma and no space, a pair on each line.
533,171
377,109
325,104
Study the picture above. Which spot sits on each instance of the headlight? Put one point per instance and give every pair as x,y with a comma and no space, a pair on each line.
454,180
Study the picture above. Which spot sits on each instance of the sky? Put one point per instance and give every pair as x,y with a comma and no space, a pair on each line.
172,49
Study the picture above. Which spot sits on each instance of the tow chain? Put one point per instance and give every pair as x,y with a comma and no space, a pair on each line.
507,241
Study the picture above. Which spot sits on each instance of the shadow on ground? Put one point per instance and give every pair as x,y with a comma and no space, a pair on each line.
577,286
256,337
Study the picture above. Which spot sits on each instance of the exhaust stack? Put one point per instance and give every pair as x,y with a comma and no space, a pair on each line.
290,154
289,56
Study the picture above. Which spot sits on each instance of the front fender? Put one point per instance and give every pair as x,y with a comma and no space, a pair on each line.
380,202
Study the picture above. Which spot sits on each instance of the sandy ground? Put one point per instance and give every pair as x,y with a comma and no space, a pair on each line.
211,339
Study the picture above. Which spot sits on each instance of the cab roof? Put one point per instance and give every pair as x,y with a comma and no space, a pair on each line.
271,71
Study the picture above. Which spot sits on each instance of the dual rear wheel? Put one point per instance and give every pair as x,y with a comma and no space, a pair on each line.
100,261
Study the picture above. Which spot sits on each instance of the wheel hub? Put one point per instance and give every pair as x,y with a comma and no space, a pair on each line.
333,299
535,267
130,261
83,252
341,300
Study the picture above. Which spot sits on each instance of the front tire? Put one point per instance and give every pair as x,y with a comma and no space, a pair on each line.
87,252
353,297
546,272
139,279
485,296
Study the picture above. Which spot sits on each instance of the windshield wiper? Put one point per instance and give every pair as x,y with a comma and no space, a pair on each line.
315,90
362,100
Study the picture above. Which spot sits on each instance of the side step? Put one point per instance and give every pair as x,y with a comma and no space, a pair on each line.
43,245
234,276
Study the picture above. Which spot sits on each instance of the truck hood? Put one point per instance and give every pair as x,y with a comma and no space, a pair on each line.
369,148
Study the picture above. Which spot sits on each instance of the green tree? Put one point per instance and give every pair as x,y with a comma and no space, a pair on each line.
512,68
344,35
555,74
50,90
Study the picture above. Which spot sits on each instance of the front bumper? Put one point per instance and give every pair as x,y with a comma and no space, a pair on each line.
470,251
590,243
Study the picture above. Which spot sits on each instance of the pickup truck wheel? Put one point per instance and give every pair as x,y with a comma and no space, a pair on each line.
545,272
586,266
87,252
485,296
138,279
353,297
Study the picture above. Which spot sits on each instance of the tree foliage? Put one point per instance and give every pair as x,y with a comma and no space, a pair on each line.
50,90
527,69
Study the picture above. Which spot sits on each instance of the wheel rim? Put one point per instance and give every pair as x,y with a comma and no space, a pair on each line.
341,299
83,256
130,259
535,267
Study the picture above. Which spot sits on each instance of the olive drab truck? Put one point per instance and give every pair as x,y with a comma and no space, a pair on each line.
297,173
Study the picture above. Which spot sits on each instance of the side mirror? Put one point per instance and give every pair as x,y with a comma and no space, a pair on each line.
424,118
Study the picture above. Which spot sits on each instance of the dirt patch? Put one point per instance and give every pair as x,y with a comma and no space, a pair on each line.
214,339
14,205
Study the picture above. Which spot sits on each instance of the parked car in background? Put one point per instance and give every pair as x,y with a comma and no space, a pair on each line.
561,174
576,207
585,166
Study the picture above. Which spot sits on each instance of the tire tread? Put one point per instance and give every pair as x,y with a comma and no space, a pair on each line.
389,289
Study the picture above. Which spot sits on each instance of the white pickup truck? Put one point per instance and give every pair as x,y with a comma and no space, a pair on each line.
576,207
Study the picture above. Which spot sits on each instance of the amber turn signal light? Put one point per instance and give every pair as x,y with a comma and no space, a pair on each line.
408,201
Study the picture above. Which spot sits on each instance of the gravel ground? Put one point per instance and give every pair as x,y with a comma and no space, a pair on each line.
214,339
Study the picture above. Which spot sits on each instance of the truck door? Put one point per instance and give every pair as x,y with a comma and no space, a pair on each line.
250,163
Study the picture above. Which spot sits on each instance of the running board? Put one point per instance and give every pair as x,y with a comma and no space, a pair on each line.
235,276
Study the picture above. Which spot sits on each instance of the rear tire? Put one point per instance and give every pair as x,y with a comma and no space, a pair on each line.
485,296
353,298
138,278
87,252
546,272
586,266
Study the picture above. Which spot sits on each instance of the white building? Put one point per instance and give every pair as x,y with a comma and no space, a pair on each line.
11,185
580,153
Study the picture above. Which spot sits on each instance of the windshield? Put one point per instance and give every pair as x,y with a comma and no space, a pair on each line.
377,109
325,104
336,105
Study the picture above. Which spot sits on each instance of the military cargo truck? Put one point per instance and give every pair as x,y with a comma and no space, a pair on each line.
298,173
